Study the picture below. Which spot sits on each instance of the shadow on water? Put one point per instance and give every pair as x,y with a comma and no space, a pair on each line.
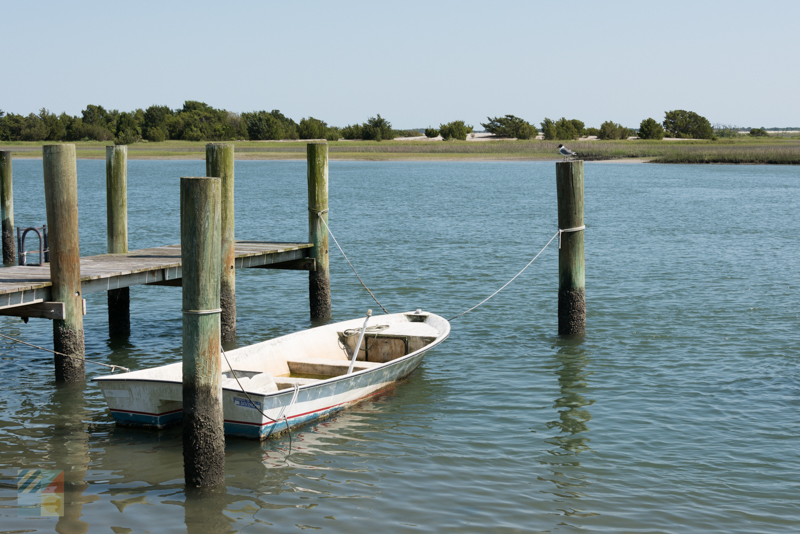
569,365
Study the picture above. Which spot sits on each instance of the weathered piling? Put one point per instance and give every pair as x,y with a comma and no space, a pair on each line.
219,164
203,433
319,281
61,200
119,307
7,208
571,270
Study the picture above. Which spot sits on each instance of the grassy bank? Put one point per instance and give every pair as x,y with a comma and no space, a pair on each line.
771,150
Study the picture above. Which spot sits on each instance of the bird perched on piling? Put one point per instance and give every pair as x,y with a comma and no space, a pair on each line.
566,152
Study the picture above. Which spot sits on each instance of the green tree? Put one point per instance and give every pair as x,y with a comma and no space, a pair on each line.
351,131
332,134
154,125
431,133
611,130
455,130
510,126
650,129
568,129
687,124
549,129
263,126
312,128
128,131
758,132
34,129
377,129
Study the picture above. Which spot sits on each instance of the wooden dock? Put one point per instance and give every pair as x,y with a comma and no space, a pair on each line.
26,285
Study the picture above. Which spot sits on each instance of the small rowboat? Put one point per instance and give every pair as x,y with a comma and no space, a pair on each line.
286,382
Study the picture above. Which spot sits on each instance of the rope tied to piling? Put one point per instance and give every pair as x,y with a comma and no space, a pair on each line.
202,312
568,230
557,234
113,367
319,214
509,282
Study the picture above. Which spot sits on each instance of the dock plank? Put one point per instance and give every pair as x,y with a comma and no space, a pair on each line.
23,285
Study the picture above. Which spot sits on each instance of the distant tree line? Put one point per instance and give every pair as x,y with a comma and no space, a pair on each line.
197,121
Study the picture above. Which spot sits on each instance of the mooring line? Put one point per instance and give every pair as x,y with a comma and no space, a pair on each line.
113,367
281,415
557,234
319,214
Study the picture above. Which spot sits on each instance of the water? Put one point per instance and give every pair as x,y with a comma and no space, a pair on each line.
678,412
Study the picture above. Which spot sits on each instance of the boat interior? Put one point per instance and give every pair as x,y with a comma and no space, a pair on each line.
313,355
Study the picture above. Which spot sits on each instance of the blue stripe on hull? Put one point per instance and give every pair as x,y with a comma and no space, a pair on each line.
252,431
147,421
256,431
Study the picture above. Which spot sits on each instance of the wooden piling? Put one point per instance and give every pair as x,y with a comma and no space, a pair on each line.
203,433
7,208
319,282
119,309
219,164
61,200
571,269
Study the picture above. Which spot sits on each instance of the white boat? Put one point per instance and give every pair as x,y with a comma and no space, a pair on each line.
287,381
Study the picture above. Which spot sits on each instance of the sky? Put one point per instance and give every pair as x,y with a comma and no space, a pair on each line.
416,63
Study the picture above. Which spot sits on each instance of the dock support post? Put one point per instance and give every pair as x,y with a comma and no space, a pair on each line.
319,280
61,200
7,207
203,432
571,268
219,164
119,300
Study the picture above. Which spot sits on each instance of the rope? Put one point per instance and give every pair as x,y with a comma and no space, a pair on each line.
113,367
507,283
348,260
202,312
568,230
280,415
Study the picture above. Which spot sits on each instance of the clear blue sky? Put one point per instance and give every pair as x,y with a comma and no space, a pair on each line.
417,63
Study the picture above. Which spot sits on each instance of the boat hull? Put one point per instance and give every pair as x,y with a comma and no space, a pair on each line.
149,400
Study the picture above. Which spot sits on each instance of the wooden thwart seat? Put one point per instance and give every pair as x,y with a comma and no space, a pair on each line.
326,367
284,382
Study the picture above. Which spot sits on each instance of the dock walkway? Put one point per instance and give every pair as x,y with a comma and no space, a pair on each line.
24,285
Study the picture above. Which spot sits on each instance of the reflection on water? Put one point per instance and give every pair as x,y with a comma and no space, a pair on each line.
69,449
569,365
694,375
570,361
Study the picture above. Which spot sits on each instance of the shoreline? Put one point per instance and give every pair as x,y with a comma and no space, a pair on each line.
247,157
734,152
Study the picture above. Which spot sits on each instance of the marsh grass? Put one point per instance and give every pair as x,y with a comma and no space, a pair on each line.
772,150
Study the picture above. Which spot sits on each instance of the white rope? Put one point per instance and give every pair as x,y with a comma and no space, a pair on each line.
319,213
567,230
202,312
515,277
113,367
280,415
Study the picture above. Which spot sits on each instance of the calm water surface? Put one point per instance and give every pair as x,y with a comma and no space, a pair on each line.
678,412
